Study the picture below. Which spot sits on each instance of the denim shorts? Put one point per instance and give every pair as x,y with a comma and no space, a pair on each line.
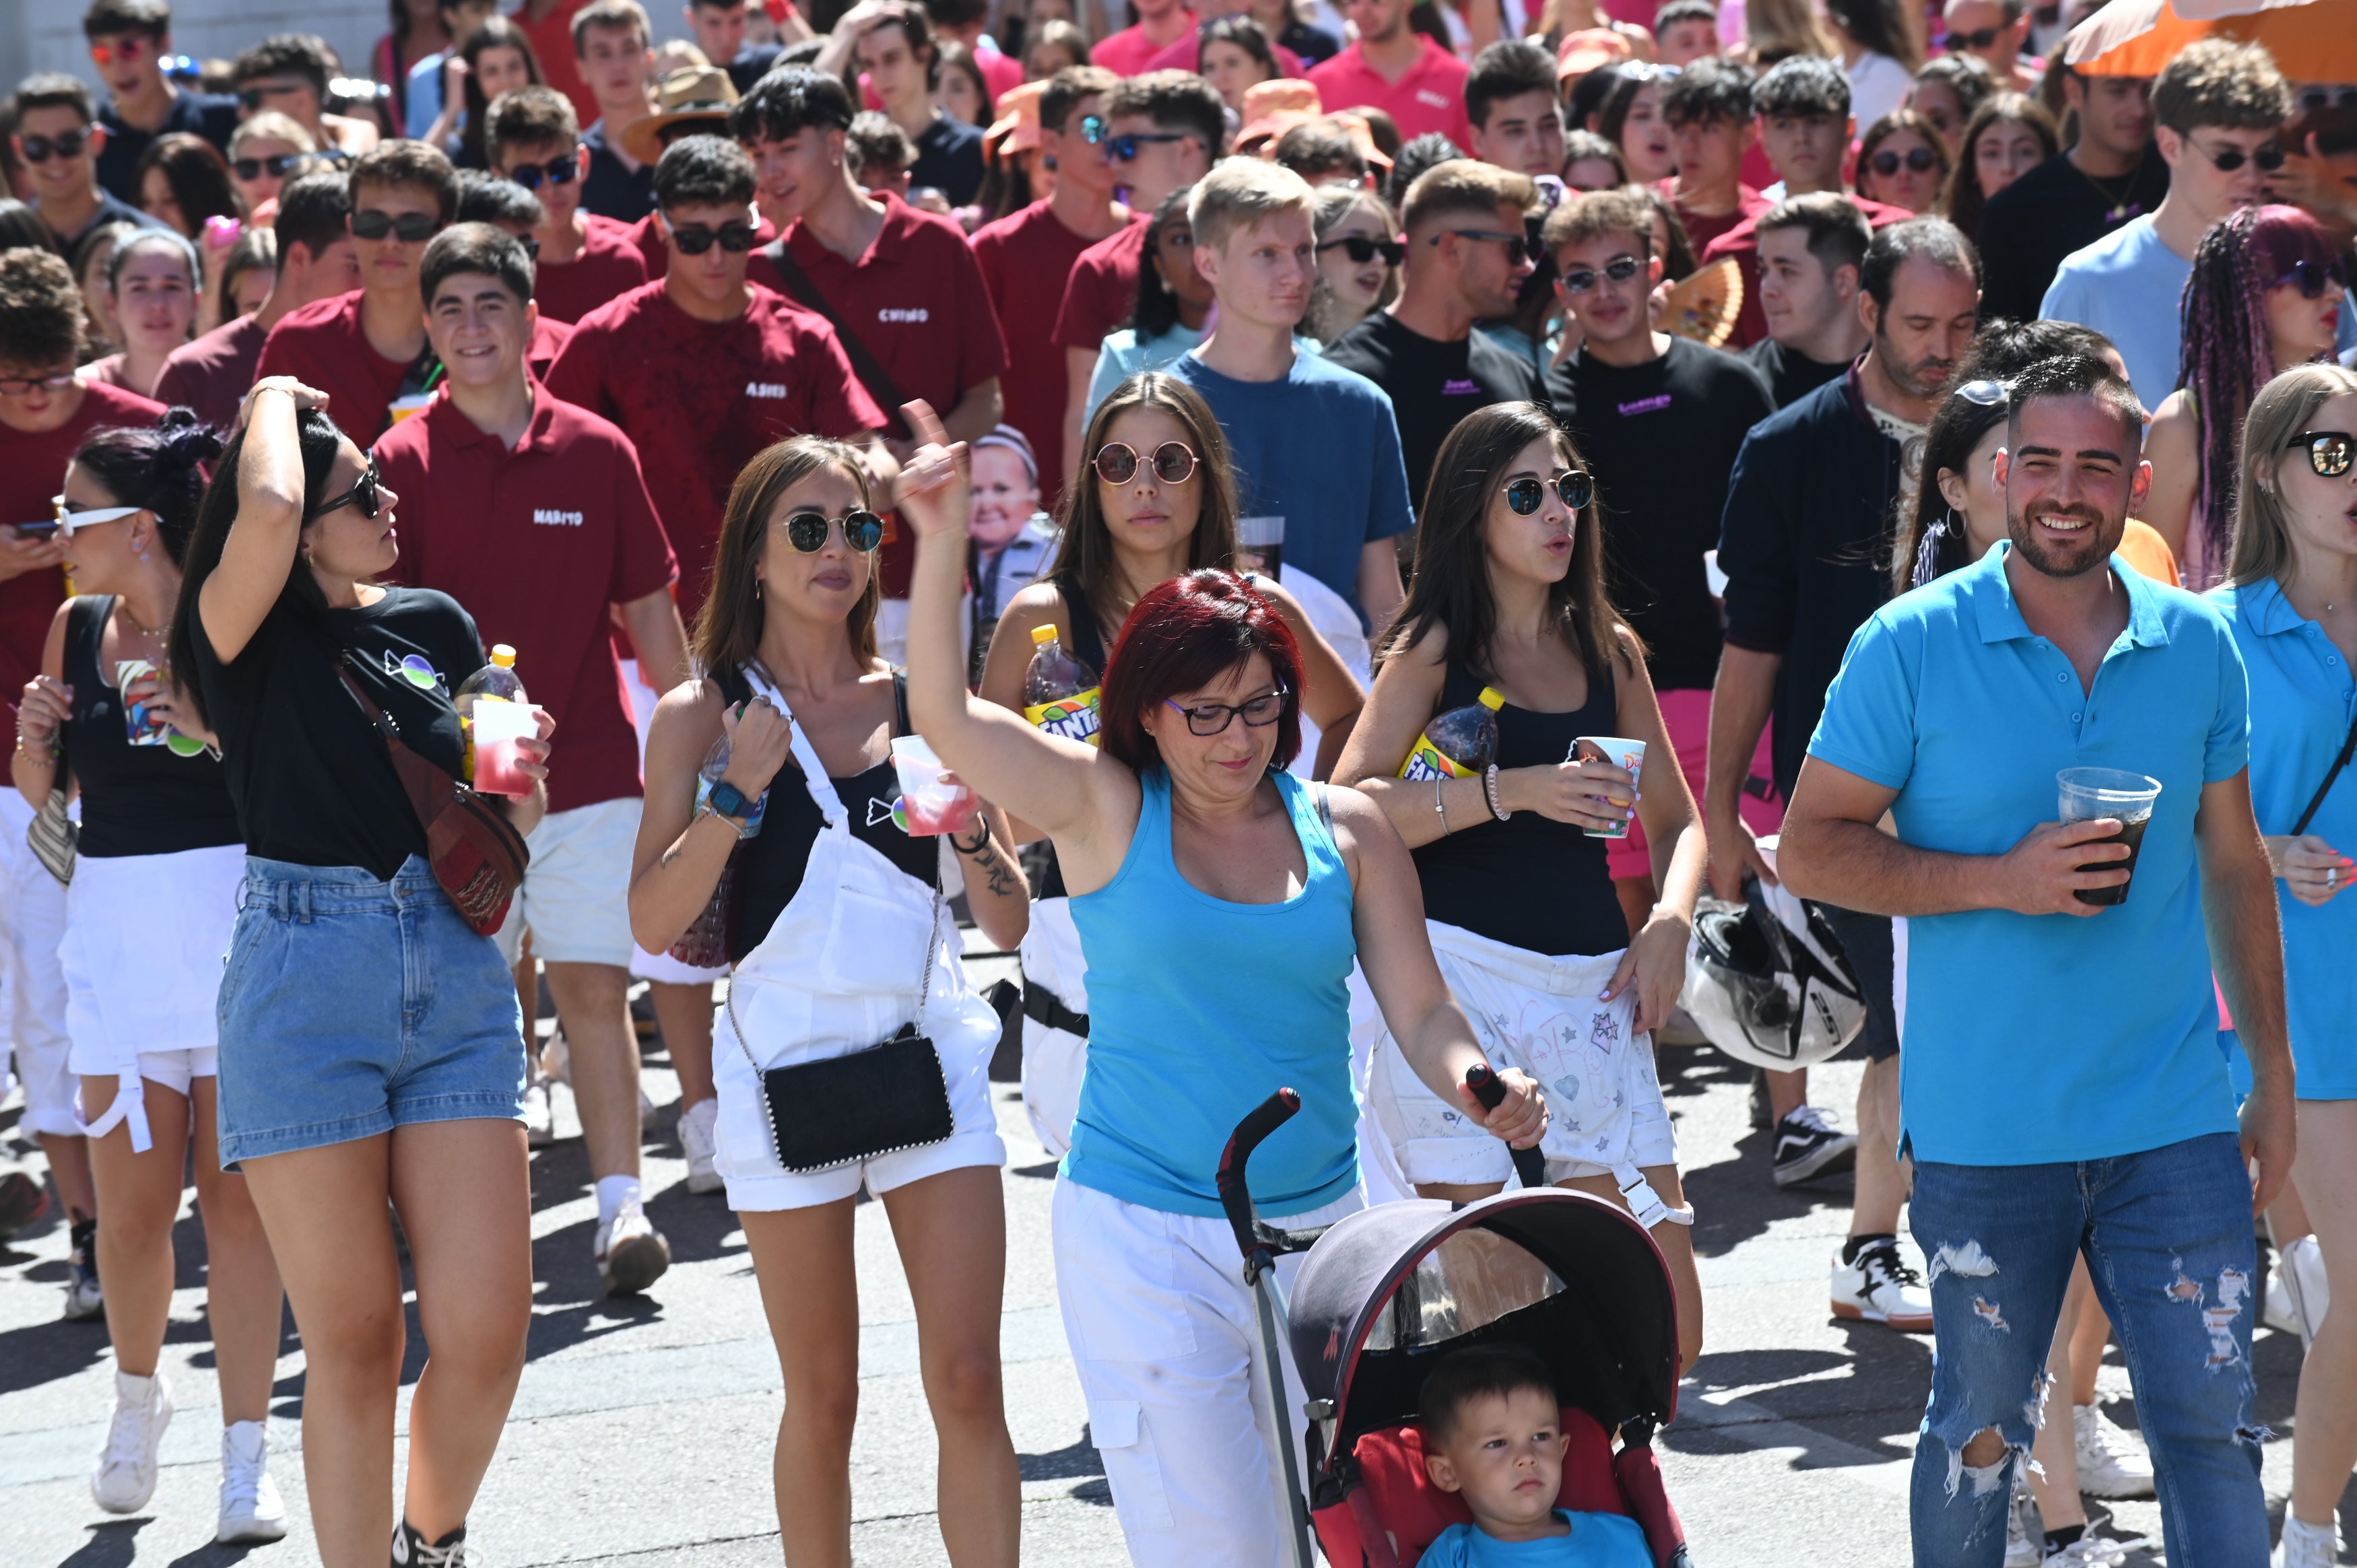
351,1006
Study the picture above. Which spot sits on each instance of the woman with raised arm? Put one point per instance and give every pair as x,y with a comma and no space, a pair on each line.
372,1052
1508,602
1221,902
831,911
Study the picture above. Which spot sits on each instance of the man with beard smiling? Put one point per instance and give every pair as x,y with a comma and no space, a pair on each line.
2066,1093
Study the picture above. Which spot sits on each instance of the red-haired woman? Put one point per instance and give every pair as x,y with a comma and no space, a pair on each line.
1221,902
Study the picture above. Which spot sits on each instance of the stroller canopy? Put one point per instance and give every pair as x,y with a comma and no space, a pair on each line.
1572,1278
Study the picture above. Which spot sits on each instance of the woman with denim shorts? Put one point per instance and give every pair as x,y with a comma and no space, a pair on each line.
369,1043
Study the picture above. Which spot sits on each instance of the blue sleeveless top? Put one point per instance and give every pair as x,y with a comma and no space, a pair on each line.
1199,1009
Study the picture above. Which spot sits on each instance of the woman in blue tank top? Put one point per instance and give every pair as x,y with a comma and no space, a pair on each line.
1221,902
1509,599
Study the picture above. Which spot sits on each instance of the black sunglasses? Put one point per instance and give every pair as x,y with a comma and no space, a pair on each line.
807,531
65,144
362,495
1362,249
1520,245
556,171
1922,160
410,228
1980,38
1124,149
252,97
1213,718
734,238
279,167
1173,463
1572,487
2329,451
2226,160
2310,277
1619,269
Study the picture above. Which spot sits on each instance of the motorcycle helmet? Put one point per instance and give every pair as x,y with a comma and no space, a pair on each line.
1768,983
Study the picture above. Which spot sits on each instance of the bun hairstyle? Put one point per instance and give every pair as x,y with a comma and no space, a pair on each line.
161,467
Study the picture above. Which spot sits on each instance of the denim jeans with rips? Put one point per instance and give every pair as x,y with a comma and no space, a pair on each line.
2167,1236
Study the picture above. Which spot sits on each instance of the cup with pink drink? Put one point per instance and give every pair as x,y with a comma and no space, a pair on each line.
927,804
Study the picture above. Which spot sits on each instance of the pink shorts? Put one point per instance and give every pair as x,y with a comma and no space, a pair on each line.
1686,716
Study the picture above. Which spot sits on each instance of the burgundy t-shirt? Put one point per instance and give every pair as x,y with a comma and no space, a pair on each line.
322,346
701,399
1742,243
609,265
535,544
214,374
32,469
1026,259
1101,294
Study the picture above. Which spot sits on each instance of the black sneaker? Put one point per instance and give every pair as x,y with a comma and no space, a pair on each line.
411,1550
84,1301
1808,1147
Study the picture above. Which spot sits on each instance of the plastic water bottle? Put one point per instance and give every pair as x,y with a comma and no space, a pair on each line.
496,682
1059,692
1459,742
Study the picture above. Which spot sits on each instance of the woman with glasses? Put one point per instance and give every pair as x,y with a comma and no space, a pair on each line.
1507,601
264,153
156,871
1173,302
833,913
152,279
1221,902
2267,293
1902,162
2291,597
1157,501
1359,256
371,1054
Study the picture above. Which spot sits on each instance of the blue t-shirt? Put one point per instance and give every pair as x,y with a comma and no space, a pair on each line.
1597,1541
2127,285
1319,448
1123,355
2033,1039
2301,702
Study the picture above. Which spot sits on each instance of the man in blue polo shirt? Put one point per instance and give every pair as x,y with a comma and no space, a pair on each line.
2061,1086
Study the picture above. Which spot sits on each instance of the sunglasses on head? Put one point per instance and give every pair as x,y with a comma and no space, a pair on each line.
1619,269
1922,160
556,171
1173,463
26,386
734,238
1572,487
362,495
128,49
2226,160
65,144
1213,718
1362,249
807,531
2329,451
1984,393
277,167
411,228
2310,277
67,520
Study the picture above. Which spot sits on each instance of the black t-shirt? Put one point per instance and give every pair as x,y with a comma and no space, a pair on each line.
2032,224
1314,45
1790,374
1660,439
609,189
209,115
312,778
136,800
949,159
752,63
1433,384
110,209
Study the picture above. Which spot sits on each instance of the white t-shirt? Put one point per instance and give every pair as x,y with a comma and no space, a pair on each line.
1877,84
2127,285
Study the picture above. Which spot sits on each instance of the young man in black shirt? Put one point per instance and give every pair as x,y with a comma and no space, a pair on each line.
892,43
609,47
128,41
1811,248
2108,176
1466,262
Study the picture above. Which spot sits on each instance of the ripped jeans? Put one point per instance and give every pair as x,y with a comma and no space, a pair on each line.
2167,1236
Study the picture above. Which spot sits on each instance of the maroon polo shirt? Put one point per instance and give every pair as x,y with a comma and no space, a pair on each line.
1101,294
1742,243
214,374
609,265
322,346
1026,259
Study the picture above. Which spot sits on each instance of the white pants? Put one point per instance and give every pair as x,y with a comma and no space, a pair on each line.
1168,1347
32,982
1054,1059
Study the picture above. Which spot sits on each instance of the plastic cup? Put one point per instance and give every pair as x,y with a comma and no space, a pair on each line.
403,408
1621,753
498,761
931,806
2089,794
1261,538
142,726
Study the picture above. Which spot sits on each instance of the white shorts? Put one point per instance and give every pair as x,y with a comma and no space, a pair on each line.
659,967
1604,1101
32,921
1162,1329
575,894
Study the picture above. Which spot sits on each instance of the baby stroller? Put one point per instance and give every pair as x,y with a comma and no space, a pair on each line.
1383,1294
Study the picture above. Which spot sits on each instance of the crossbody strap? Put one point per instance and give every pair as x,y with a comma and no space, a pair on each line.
427,785
814,775
2348,748
864,363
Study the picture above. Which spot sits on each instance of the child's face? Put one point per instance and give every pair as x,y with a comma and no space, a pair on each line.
1505,1457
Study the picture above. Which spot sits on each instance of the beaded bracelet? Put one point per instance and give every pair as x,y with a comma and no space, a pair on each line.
1490,793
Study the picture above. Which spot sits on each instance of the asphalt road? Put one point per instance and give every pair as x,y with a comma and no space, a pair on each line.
642,1434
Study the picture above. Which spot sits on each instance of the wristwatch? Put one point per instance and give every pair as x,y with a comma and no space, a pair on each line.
725,799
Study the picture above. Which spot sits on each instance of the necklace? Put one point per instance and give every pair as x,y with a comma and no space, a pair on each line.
123,608
2121,209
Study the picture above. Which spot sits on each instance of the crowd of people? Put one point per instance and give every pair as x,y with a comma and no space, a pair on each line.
1858,414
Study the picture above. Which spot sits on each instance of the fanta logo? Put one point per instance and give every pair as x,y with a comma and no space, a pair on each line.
916,316
559,519
765,389
1074,717
1427,762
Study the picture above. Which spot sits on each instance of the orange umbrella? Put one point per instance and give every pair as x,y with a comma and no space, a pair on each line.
2312,41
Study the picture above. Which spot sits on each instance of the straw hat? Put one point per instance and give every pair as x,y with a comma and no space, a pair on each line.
1016,129
694,94
1591,48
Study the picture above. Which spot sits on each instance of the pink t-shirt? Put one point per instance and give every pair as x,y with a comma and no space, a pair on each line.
1430,97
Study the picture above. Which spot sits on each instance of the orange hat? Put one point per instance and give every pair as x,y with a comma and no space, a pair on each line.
1273,108
1018,119
1591,48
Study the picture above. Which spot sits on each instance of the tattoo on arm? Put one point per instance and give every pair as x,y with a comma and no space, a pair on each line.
1004,881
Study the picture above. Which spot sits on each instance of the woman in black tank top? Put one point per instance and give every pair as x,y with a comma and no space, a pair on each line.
1509,594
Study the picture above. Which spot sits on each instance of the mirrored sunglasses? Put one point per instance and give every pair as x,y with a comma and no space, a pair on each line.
1572,487
1173,463
1619,269
863,530
2329,451
556,171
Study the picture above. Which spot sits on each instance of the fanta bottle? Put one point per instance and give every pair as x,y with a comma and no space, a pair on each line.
1459,742
1059,692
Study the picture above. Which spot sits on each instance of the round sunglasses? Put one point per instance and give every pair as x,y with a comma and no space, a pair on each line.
2329,451
1920,160
2226,160
1173,463
1572,487
807,531
1362,249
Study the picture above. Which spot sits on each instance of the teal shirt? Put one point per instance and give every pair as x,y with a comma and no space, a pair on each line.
1595,1540
1199,1009
2302,699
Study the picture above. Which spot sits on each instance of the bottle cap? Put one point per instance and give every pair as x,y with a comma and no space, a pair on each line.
503,656
1492,699
1044,633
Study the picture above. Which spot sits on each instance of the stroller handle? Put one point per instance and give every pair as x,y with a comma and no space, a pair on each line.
1530,1165
1235,1195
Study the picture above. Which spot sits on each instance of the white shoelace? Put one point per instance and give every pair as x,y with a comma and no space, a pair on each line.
1809,1117
127,1434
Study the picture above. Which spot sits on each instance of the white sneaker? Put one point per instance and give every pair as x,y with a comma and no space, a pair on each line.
1880,1287
2278,1312
632,1254
125,1477
2025,1537
556,1058
2306,1545
2090,1550
2110,1466
2301,1266
696,1128
252,1512
538,1120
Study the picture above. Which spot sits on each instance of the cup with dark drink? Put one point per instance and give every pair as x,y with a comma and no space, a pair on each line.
1260,545
2091,794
